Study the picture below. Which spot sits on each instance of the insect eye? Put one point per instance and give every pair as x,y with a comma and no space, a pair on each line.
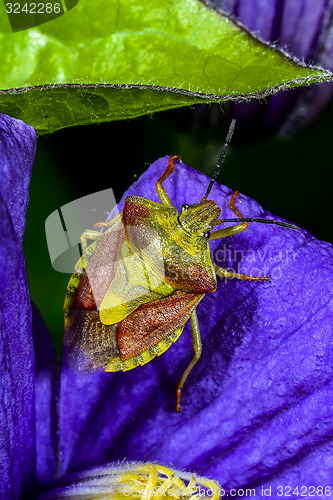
185,207
206,234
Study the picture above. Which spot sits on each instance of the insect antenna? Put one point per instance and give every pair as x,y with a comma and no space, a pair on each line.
263,221
221,158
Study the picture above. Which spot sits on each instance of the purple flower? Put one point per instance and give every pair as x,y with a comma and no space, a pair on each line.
256,407
304,30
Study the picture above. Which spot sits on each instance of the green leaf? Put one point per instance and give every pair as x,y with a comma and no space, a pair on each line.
109,60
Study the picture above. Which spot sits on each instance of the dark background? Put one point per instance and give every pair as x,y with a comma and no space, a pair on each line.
289,176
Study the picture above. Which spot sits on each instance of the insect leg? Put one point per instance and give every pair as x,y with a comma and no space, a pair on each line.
89,234
197,347
223,273
233,207
229,231
159,189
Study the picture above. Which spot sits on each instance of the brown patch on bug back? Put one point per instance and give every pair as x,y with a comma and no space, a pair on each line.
90,343
100,270
153,322
135,210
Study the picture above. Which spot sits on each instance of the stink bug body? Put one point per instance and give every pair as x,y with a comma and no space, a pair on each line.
140,281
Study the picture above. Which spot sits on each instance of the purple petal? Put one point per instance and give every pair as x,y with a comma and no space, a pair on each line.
295,26
17,403
47,396
18,148
256,406
304,30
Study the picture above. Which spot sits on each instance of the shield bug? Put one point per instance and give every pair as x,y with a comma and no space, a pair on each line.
139,282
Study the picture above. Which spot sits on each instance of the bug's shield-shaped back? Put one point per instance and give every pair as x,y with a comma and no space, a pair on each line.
136,288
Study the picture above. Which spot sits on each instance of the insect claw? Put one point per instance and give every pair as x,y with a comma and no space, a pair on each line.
264,278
